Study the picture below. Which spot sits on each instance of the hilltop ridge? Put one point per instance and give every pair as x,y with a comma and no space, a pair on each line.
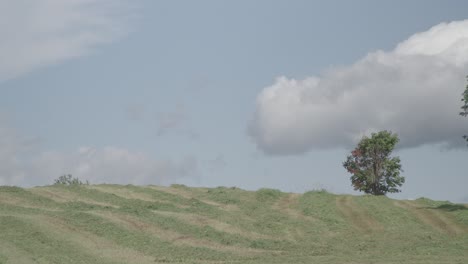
179,224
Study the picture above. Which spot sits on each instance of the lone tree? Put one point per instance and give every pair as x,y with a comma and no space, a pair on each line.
465,106
374,171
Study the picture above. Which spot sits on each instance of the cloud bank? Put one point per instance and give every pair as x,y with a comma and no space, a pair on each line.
414,90
23,163
37,33
111,165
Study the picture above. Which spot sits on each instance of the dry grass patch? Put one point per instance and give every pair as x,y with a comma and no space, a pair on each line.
14,254
62,196
201,221
19,202
288,204
358,216
91,243
123,193
22,202
434,218
189,195
135,224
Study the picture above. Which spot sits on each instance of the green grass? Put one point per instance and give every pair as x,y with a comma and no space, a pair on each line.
178,224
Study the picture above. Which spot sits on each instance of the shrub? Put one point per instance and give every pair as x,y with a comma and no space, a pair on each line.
68,180
266,194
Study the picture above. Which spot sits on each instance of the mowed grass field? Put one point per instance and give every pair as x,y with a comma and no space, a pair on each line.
177,224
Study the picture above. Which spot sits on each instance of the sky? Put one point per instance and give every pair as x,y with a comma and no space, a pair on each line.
252,94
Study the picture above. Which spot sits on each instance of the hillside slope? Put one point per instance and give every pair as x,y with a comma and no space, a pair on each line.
152,224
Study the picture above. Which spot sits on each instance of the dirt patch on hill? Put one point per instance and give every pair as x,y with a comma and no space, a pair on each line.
188,195
124,193
21,202
90,243
135,224
13,254
358,216
288,205
62,196
201,221
434,218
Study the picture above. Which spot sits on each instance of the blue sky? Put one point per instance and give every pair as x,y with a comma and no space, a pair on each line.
241,93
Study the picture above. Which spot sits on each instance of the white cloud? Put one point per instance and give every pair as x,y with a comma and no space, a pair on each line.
414,90
23,163
37,33
113,165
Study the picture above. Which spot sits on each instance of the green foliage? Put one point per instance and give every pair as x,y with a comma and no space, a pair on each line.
465,106
373,170
178,186
68,180
266,194
318,190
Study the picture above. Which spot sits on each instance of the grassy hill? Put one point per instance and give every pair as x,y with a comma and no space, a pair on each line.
152,224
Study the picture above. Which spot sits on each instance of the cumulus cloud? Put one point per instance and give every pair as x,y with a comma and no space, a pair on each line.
112,165
23,163
37,33
414,90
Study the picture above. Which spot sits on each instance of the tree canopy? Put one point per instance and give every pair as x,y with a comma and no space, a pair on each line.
373,170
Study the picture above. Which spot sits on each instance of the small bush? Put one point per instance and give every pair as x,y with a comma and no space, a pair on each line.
178,186
266,194
319,190
68,180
